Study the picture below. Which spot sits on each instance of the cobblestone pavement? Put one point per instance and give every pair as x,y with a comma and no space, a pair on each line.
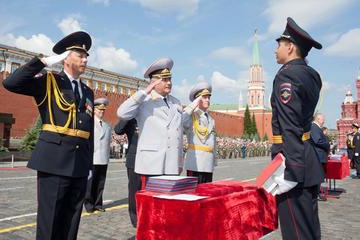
339,217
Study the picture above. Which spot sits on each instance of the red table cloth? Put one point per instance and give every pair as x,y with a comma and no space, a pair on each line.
337,169
233,210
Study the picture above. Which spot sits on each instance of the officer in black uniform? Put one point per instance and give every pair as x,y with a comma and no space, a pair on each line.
350,144
296,89
130,128
64,152
356,156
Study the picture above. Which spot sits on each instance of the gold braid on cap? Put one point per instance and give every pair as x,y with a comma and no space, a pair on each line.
165,73
83,48
201,132
60,102
204,92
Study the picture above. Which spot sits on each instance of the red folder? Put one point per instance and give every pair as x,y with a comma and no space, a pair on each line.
267,175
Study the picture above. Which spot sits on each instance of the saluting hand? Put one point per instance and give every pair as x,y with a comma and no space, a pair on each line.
48,61
152,84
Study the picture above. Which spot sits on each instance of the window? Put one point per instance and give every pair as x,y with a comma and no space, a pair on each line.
2,66
95,85
103,86
112,88
128,91
120,90
14,66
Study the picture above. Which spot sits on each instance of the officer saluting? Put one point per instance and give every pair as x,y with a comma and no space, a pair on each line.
296,89
64,152
158,115
199,127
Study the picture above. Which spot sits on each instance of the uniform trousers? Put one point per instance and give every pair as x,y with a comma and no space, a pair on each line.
356,160
298,214
203,177
134,185
60,201
95,188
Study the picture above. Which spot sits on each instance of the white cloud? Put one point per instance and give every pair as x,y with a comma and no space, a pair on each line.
235,54
70,24
113,59
105,2
222,83
39,43
182,9
182,90
348,45
321,10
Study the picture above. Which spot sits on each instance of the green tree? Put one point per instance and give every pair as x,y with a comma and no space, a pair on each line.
253,125
2,147
247,122
265,138
29,140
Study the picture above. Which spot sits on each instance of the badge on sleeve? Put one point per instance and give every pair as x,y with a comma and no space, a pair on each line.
285,92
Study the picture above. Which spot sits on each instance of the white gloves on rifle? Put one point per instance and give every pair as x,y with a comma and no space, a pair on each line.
90,174
48,61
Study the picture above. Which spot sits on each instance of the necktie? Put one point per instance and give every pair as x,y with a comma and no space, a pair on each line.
76,92
165,100
100,123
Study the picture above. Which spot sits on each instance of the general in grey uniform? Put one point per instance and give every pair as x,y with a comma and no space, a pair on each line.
158,114
102,139
199,128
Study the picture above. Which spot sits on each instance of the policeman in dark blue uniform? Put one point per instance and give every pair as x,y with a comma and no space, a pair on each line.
296,89
64,152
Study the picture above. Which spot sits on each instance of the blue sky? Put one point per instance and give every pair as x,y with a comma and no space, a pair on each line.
208,40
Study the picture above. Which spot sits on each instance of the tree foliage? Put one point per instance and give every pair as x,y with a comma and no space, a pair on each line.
29,140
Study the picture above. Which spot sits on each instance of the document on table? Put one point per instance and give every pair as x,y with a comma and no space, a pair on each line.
185,197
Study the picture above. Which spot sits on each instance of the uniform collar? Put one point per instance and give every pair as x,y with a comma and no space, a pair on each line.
71,77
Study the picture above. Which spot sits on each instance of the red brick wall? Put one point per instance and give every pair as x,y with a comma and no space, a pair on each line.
227,124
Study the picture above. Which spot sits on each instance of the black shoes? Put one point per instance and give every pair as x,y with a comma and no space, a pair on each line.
100,209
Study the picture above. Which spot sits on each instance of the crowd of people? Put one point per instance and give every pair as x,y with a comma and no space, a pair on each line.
74,134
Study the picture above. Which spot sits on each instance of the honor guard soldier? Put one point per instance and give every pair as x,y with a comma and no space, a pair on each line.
296,89
158,115
350,144
102,139
64,151
199,128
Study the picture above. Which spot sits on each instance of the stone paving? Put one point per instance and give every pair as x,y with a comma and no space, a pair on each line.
340,218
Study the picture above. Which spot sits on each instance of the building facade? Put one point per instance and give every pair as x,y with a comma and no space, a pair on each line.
350,109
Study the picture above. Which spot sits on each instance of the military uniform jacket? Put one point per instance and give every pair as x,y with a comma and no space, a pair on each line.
295,94
102,139
356,142
131,130
350,141
160,145
321,142
199,160
57,153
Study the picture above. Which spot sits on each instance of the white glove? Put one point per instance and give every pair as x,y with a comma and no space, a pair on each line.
283,185
90,174
48,61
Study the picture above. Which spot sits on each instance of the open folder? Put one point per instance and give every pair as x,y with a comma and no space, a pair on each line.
267,175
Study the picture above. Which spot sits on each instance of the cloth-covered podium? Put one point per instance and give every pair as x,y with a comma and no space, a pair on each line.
232,210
